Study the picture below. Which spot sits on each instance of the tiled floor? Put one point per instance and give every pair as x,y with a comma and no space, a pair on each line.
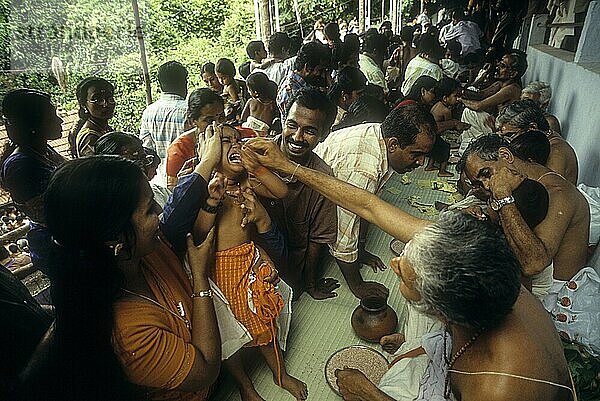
319,328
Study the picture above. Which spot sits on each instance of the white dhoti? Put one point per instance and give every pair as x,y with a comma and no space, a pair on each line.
478,128
575,308
256,124
420,378
402,381
541,283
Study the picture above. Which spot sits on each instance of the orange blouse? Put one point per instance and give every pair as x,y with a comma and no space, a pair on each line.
181,150
154,346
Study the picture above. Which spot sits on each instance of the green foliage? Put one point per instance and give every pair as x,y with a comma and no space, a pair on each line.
312,10
97,37
169,23
585,370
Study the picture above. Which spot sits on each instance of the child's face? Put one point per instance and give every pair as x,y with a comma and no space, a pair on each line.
451,100
224,79
261,54
253,92
231,161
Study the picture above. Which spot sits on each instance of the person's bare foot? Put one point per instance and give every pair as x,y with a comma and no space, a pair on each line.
429,167
294,386
370,289
445,173
250,394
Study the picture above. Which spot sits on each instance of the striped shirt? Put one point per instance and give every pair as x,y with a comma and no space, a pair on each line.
358,156
418,67
162,122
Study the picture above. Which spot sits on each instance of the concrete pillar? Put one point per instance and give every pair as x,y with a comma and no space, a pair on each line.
537,31
588,49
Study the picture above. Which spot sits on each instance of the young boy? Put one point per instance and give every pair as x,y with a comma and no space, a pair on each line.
260,109
243,271
447,91
256,53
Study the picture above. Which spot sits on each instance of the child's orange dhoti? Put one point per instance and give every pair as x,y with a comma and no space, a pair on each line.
254,302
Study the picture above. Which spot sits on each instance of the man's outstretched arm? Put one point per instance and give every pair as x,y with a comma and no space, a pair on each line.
387,217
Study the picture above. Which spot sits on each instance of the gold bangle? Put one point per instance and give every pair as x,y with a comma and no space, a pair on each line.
202,294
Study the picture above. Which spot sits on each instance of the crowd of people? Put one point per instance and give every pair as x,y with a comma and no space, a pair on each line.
173,250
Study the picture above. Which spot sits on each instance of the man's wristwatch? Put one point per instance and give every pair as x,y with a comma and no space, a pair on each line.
497,204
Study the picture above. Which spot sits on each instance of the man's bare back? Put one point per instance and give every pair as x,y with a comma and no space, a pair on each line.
562,158
264,111
565,199
526,344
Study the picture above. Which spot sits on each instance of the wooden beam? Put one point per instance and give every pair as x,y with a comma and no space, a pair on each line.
140,36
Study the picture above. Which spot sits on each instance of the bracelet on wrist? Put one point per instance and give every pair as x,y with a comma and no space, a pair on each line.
210,209
203,294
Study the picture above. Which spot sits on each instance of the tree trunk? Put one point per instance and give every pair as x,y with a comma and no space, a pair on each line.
361,16
265,20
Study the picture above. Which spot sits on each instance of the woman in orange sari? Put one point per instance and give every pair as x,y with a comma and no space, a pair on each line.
130,324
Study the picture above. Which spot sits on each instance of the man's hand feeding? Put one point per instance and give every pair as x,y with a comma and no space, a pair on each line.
269,155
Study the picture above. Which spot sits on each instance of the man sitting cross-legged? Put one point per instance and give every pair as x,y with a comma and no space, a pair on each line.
482,106
365,156
307,217
463,272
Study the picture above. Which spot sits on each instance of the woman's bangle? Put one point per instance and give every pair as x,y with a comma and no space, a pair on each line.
202,294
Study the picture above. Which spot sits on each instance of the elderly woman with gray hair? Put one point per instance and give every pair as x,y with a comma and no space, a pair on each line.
498,342
541,93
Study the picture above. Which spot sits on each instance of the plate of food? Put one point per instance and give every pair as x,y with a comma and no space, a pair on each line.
360,357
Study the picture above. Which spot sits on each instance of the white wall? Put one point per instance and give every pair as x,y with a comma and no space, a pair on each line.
575,101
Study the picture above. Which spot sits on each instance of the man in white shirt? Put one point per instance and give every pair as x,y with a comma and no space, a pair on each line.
277,66
426,62
370,60
366,155
467,33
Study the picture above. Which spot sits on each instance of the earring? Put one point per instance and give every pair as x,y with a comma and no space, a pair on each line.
117,249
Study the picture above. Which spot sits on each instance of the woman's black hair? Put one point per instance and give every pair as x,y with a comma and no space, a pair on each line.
423,82
347,80
198,99
365,109
208,67
89,203
226,67
23,111
113,143
81,93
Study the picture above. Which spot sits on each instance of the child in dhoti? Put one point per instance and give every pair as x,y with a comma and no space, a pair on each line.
260,110
243,272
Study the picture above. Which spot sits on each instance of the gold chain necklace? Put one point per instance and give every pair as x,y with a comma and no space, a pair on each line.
181,316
